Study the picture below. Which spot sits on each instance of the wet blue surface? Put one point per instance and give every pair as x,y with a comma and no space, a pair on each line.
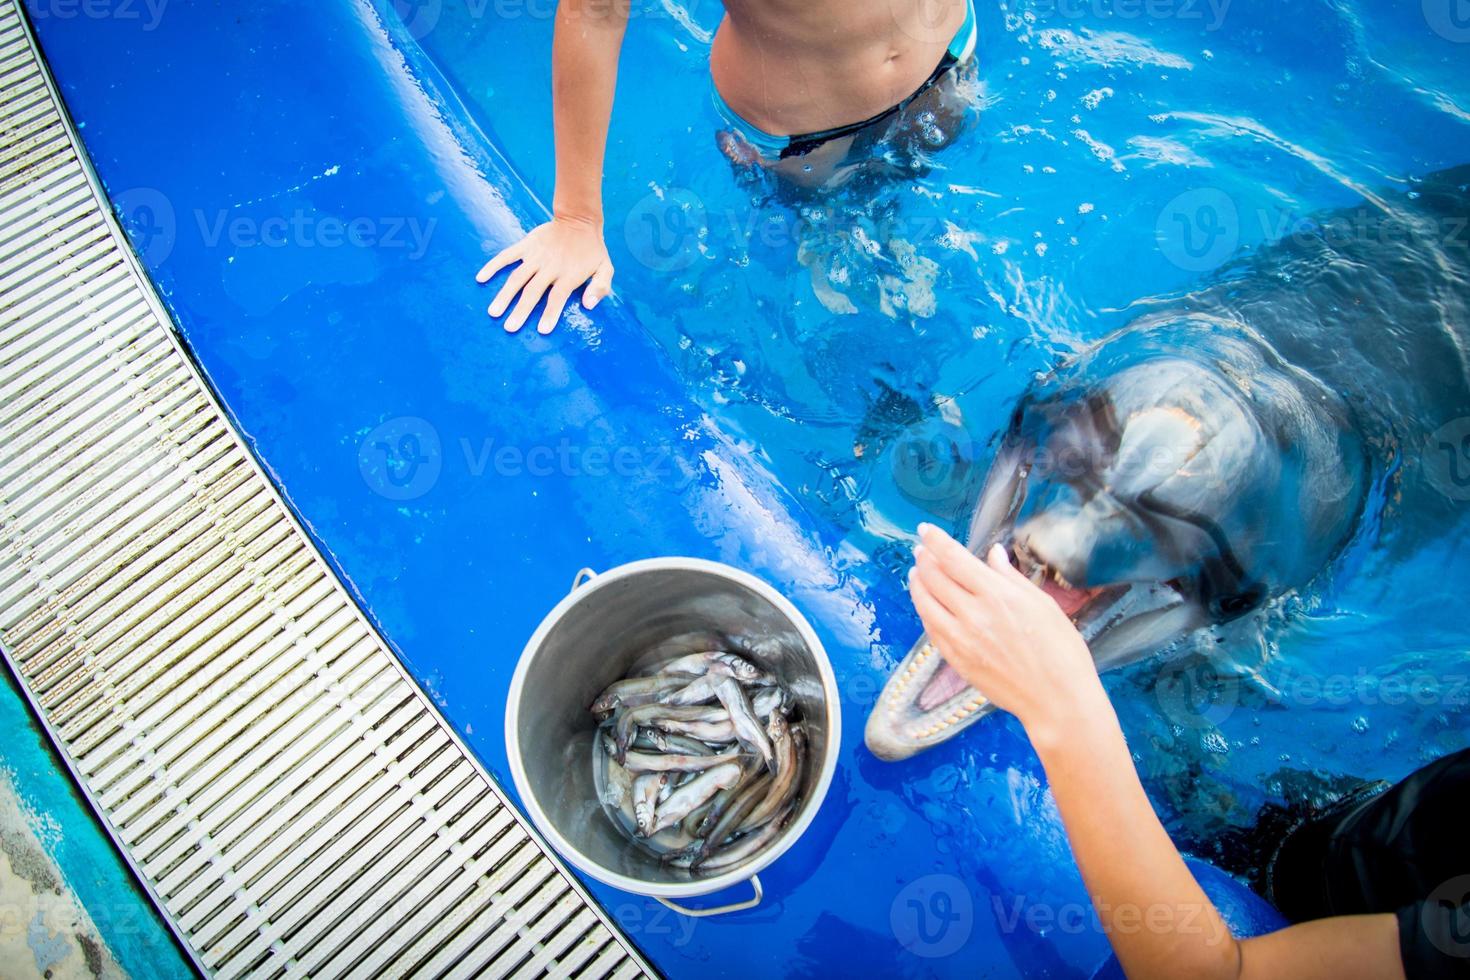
313,208
1116,156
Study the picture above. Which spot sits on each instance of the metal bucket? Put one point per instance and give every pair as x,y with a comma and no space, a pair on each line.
598,634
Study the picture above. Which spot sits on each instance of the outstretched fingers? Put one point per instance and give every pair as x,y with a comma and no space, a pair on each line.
957,561
512,286
504,258
952,595
600,287
939,622
530,296
556,301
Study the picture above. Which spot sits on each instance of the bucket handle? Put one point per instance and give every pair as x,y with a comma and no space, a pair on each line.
582,578
750,903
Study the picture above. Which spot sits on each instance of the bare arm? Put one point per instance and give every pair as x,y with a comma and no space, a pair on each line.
584,76
1011,641
568,251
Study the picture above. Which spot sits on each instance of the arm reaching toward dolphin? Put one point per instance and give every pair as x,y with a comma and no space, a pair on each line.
1010,640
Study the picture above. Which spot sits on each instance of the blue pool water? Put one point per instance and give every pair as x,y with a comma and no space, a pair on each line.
238,142
1119,152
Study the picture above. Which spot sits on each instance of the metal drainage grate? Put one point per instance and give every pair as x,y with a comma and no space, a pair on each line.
292,801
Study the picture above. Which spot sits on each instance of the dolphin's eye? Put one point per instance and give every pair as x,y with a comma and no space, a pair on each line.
1238,604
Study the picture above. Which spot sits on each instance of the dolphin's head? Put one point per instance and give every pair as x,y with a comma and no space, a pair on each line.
1149,492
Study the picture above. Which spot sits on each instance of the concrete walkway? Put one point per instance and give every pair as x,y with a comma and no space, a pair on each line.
44,931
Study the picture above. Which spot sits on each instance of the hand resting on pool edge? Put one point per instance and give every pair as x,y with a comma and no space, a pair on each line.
554,259
1006,637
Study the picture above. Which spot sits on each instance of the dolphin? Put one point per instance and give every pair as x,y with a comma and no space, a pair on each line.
1222,448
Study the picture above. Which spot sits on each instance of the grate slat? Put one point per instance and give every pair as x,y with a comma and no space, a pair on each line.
291,800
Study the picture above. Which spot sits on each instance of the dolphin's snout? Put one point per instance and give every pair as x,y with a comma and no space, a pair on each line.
898,727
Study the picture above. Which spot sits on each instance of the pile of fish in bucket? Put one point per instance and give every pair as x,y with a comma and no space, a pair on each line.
699,759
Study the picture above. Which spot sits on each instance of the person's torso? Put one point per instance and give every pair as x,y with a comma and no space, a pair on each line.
801,66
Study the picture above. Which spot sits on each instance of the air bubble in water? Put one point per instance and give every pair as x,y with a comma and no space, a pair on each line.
929,126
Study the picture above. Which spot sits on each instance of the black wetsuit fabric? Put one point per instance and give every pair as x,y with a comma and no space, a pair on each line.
1404,850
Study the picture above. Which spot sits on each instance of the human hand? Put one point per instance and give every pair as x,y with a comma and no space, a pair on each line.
555,258
1006,637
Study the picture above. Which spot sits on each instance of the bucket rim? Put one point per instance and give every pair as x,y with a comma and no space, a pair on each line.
793,832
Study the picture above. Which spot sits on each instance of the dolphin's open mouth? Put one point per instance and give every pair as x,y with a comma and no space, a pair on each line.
945,685
926,701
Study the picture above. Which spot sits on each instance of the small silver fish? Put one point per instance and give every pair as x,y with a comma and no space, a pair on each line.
745,847
695,793
646,789
724,798
729,821
701,690
645,740
767,700
637,762
692,664
714,732
742,717
627,720
678,646
787,780
633,691
678,744
715,661
691,824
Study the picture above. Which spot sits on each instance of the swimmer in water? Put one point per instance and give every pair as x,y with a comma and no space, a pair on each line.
805,87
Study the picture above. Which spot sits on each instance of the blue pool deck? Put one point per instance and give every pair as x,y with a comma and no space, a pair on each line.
309,200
